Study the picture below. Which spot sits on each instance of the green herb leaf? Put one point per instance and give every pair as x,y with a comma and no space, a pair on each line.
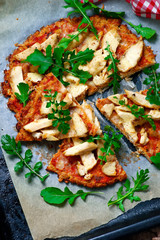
37,58
11,147
24,93
60,116
156,160
139,112
81,9
111,141
114,75
142,177
153,93
56,196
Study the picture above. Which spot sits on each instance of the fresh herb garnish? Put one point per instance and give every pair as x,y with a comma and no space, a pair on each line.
144,31
113,67
56,196
139,112
129,192
59,115
24,93
64,42
153,93
81,9
55,62
156,160
111,140
11,147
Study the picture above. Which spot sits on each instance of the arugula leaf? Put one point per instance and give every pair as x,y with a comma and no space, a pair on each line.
114,75
156,160
145,32
111,140
11,147
64,42
139,112
142,177
56,196
37,58
24,93
81,9
82,57
153,93
59,115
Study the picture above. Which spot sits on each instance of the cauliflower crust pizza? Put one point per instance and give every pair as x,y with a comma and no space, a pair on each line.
52,112
142,131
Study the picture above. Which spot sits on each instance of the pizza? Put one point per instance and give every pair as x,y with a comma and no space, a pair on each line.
144,136
77,161
130,50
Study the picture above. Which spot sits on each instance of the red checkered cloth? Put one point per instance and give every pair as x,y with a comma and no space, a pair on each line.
143,8
146,8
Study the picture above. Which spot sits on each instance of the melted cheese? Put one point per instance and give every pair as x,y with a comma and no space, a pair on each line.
139,99
112,38
23,55
131,57
80,149
16,78
38,124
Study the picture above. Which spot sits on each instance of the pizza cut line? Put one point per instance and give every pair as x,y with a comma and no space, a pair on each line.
137,130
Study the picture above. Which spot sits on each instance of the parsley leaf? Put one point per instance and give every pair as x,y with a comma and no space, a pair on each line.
142,177
139,112
24,93
56,196
81,9
114,75
111,140
59,115
153,93
11,147
156,160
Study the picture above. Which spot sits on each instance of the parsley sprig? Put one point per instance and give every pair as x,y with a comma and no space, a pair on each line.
156,160
146,32
56,196
112,66
55,62
81,9
11,147
59,115
111,140
139,112
142,177
153,93
24,93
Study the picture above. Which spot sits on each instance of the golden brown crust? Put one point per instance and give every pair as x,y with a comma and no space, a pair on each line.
66,168
149,149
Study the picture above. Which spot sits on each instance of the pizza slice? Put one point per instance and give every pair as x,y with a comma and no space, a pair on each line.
53,114
131,52
77,161
136,118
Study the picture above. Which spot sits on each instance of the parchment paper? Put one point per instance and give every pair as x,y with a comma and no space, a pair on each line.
18,19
